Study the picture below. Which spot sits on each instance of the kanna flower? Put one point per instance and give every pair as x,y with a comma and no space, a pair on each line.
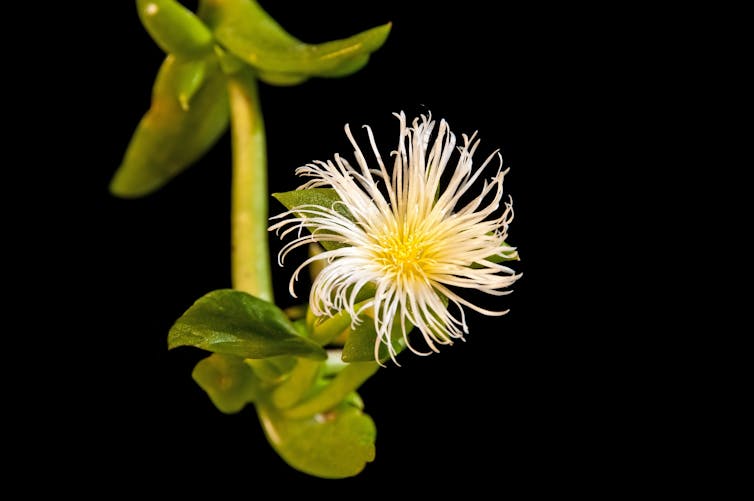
417,234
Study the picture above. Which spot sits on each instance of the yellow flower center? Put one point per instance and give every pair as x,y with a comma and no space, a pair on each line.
403,255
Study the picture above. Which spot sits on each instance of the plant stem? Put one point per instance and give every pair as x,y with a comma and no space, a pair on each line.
250,255
299,381
347,380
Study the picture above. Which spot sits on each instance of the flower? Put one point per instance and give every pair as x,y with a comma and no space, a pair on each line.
418,239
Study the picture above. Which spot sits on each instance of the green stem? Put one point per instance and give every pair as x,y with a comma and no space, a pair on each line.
300,381
348,380
250,255
324,332
328,330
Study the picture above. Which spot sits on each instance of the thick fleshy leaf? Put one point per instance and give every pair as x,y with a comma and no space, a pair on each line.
347,68
232,322
190,81
281,79
334,444
228,380
323,197
245,29
175,28
170,138
288,79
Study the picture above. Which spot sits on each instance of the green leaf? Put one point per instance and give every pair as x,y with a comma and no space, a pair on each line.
323,197
360,342
334,444
241,16
232,322
245,29
288,79
348,67
228,381
175,28
281,79
170,138
189,81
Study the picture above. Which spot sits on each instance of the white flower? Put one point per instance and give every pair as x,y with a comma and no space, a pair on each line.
413,238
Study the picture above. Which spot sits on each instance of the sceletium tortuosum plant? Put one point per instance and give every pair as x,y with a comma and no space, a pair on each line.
392,248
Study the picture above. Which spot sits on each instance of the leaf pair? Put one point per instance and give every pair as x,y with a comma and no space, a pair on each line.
333,444
189,110
246,30
312,419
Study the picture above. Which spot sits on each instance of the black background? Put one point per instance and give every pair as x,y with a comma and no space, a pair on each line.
551,396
